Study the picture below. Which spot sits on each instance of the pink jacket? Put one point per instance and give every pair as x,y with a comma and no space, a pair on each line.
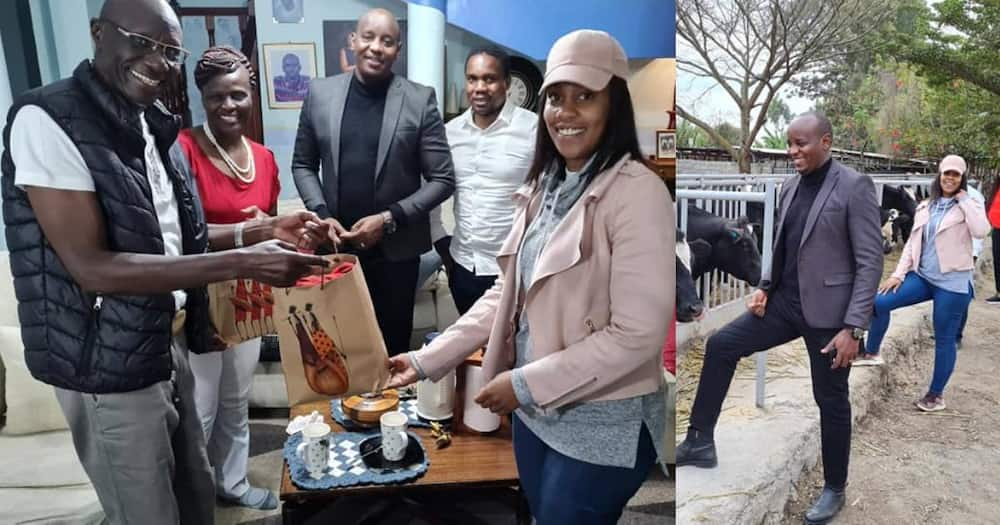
599,305
954,237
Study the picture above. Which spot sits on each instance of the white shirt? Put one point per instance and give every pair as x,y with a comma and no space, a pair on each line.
490,165
45,157
977,244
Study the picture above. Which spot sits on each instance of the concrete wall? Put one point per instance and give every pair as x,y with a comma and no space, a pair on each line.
62,35
652,85
708,167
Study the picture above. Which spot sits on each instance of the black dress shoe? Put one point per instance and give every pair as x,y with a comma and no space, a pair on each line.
826,507
697,450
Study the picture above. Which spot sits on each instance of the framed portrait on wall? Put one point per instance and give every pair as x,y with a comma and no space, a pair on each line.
288,11
288,69
666,144
339,53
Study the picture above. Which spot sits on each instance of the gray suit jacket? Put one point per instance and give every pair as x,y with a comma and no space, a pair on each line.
840,258
412,146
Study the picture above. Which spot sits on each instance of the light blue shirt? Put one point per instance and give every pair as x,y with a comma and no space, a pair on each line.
930,266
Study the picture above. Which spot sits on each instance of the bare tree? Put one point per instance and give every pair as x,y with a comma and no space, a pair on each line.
752,48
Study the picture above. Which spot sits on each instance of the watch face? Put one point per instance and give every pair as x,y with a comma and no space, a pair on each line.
518,92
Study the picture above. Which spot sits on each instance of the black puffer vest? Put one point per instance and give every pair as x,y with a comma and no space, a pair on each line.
102,343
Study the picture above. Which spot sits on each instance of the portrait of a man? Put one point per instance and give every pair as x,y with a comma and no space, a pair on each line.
287,11
290,69
293,85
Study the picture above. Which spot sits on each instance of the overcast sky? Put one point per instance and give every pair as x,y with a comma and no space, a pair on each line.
705,99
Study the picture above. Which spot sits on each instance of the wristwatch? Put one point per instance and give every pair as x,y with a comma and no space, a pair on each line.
388,225
857,333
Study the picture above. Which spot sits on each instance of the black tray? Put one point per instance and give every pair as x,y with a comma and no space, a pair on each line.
376,461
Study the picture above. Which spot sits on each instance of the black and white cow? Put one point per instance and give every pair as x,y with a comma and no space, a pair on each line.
899,206
689,305
726,244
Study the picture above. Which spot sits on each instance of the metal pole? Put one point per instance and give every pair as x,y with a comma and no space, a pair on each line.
769,201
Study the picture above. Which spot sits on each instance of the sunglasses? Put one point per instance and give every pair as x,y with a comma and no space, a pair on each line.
173,54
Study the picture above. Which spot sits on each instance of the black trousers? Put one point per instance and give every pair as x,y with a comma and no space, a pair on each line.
467,288
392,285
995,241
749,334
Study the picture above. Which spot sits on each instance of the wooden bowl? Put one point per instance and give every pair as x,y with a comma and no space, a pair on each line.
366,409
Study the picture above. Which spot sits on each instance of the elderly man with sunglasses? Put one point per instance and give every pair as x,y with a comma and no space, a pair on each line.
108,247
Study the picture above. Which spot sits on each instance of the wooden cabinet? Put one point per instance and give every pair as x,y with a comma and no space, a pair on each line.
666,168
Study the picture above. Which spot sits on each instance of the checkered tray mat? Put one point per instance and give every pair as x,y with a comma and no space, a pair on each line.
406,406
343,468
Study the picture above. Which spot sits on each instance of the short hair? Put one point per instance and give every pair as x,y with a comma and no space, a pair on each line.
500,55
221,60
825,127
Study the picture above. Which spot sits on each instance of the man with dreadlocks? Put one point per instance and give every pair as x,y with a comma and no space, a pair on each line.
107,247
237,179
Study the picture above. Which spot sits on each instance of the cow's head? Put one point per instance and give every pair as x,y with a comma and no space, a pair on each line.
688,304
736,252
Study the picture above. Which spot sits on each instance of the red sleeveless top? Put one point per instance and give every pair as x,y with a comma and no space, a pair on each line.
222,196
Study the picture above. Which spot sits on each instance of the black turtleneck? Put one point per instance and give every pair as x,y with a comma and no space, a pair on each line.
359,134
786,261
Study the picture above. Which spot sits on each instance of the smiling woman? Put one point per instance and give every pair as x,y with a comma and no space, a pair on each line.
579,315
237,178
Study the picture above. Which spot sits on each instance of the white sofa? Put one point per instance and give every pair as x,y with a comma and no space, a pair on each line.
42,480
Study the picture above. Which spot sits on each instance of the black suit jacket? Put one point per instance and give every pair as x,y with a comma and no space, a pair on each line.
412,148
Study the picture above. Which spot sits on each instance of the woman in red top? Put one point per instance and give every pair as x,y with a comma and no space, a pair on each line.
993,214
237,178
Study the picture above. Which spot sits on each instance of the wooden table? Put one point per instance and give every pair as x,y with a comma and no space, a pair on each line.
471,461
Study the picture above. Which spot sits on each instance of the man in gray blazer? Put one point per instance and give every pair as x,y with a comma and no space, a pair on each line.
821,286
375,137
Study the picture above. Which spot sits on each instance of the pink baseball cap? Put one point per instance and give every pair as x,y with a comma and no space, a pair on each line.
585,57
952,163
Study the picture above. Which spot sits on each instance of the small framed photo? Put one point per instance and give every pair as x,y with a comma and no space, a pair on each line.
288,69
666,144
288,11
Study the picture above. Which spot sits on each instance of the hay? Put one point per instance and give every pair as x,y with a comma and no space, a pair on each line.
786,362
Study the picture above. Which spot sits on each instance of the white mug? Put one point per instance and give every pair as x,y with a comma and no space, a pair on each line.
394,437
316,454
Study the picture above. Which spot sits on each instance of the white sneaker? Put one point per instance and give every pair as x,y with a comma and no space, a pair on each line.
869,360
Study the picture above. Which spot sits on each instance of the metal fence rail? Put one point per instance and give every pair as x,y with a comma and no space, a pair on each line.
727,195
732,204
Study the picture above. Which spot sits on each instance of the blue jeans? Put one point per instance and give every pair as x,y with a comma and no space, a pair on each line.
949,308
563,491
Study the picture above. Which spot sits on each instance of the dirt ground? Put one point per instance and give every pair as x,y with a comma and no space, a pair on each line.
940,468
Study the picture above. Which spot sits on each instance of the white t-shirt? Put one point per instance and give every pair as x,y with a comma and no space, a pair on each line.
45,157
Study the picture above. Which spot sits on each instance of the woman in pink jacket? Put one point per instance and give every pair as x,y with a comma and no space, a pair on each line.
936,263
575,324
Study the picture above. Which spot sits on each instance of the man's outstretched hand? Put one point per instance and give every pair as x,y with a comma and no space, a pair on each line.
303,229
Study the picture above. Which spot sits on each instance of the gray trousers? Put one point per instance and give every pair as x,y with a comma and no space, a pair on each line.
144,451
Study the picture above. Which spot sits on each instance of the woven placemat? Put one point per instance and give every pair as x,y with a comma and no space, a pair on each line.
344,469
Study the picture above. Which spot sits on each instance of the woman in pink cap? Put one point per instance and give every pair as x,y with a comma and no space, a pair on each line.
575,324
936,263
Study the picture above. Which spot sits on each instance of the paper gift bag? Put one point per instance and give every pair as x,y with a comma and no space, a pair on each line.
331,345
241,310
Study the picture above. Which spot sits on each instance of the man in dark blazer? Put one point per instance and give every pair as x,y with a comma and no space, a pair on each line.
376,136
821,286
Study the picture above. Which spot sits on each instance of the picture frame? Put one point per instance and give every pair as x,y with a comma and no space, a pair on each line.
288,11
288,70
666,144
